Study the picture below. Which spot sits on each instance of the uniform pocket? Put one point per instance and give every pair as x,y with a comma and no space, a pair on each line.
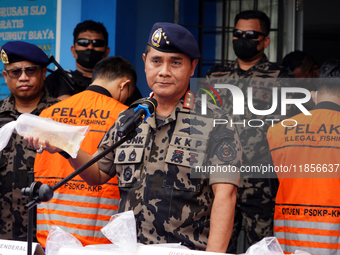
186,150
180,163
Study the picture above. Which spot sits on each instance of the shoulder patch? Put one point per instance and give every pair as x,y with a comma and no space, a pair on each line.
226,152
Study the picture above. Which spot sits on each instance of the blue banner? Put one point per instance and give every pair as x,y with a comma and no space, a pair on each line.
32,21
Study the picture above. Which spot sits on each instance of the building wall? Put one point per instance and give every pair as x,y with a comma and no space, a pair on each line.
75,11
133,28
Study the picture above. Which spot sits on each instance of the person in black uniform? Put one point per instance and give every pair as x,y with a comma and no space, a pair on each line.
90,45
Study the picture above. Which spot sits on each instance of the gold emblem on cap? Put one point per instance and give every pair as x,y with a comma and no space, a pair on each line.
4,57
156,37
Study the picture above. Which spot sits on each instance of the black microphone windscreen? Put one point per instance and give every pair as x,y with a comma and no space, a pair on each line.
152,102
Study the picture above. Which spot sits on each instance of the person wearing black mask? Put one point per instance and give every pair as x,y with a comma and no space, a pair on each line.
90,45
254,203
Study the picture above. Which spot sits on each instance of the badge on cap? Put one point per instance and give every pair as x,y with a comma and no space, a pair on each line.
156,37
4,57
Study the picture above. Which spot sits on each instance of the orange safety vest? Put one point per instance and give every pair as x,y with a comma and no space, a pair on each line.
76,207
306,157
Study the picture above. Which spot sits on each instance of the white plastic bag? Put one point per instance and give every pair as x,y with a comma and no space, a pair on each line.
58,238
121,231
267,246
63,136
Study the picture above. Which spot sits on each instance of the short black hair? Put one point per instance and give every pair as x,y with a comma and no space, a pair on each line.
90,25
254,14
297,59
114,67
330,71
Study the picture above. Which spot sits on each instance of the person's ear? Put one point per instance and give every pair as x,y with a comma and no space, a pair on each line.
107,52
73,50
266,41
124,84
44,70
5,75
314,96
144,59
193,66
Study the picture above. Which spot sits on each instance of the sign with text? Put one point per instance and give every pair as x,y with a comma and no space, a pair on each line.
30,21
9,247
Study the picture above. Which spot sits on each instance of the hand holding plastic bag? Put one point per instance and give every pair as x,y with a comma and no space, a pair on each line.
63,136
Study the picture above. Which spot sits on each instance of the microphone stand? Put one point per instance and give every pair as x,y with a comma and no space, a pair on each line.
30,216
39,192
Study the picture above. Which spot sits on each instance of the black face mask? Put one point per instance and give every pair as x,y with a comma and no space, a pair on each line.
89,58
245,48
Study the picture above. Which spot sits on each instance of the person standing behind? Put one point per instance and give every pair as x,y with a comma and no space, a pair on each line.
250,38
24,72
76,207
301,64
305,69
307,206
90,44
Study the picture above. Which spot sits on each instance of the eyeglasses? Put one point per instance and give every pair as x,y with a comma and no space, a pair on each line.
95,42
249,34
30,71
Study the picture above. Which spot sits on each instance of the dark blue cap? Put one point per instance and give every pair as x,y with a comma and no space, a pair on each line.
173,38
16,51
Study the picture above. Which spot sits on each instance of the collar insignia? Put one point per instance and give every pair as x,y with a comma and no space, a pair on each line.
189,100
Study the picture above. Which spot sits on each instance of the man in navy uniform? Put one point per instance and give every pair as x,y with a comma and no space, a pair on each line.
24,72
154,169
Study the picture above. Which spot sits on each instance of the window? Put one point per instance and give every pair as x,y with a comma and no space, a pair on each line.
215,21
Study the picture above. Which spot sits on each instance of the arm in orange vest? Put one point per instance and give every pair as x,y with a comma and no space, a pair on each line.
92,175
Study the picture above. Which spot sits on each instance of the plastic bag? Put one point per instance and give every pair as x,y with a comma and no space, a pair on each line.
299,252
58,238
121,231
63,136
267,246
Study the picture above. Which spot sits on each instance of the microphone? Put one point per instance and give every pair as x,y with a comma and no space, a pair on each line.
142,112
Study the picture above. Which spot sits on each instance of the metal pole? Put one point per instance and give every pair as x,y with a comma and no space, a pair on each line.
176,11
